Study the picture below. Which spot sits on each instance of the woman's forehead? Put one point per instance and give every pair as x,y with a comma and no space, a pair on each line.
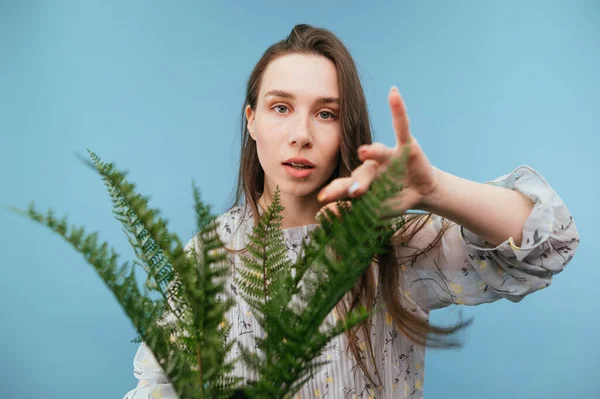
303,76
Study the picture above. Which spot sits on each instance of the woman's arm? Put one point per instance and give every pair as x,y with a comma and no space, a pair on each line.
464,268
493,213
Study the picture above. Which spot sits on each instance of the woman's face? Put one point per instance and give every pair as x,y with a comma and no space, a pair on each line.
297,116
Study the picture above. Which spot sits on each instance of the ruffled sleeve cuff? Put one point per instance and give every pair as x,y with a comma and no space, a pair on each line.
550,236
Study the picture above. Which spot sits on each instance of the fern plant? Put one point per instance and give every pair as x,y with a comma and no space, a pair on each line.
183,326
338,253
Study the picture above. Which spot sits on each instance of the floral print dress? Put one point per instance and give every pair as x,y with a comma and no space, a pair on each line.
461,269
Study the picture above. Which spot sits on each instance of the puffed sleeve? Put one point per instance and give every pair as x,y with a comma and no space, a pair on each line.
462,268
152,380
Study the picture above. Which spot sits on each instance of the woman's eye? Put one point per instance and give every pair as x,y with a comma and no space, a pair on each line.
279,107
326,115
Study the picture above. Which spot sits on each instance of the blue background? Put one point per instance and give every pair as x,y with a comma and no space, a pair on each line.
157,87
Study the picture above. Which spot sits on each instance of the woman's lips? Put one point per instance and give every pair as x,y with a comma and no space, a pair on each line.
298,173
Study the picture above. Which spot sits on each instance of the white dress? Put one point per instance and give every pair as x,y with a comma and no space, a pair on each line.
462,269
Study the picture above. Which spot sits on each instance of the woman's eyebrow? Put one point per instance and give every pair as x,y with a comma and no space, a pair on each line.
287,94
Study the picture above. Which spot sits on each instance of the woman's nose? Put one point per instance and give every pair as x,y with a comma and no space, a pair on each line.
301,132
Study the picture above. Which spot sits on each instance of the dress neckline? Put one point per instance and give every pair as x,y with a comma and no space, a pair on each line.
296,233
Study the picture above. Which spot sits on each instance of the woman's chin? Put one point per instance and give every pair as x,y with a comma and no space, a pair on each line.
299,189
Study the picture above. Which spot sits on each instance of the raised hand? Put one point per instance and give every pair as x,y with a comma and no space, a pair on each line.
420,179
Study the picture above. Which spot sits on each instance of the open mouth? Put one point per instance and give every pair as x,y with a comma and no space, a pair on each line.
298,165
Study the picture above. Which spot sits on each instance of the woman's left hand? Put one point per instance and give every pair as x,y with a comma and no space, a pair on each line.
420,180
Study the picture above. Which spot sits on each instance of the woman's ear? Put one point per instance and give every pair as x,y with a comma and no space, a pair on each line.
250,119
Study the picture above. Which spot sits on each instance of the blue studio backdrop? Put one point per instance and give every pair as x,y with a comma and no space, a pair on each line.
157,87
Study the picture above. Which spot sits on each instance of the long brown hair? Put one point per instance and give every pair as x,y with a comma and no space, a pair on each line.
356,131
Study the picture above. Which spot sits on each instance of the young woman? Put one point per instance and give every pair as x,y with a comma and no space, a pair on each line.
306,130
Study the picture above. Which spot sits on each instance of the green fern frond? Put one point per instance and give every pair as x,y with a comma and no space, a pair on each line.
192,348
141,310
264,267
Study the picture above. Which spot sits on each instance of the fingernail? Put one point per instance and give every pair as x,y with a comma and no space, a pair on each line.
322,195
394,88
355,186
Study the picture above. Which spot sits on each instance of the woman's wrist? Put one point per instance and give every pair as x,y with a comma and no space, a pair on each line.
432,201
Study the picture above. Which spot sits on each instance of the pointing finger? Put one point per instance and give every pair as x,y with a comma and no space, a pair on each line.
399,117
